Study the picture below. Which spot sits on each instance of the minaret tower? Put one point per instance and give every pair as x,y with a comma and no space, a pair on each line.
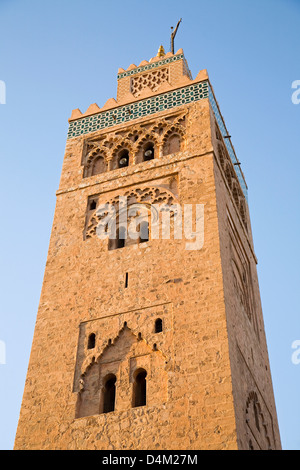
150,342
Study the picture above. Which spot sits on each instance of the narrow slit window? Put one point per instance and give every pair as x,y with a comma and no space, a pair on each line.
93,205
158,325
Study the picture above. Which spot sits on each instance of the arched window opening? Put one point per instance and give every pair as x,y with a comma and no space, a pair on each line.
99,166
109,394
140,388
158,325
93,205
121,237
120,240
144,232
148,152
172,145
123,160
145,152
92,341
256,415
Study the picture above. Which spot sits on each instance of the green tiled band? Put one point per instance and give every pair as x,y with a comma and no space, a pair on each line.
150,66
155,104
146,107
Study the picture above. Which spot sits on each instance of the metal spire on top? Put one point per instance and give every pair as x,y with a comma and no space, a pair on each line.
174,34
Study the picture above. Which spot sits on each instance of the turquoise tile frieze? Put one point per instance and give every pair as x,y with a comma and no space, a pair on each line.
155,104
139,109
150,66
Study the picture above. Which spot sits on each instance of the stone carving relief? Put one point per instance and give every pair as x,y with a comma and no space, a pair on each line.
167,136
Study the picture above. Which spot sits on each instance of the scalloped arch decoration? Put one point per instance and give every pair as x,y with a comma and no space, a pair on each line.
147,195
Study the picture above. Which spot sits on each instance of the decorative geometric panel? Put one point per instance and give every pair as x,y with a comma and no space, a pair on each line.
154,65
143,108
97,221
153,80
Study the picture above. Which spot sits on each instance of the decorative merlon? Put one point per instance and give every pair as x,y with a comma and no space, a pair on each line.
153,63
130,98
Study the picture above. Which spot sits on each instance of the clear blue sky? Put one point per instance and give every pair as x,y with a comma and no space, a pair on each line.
60,55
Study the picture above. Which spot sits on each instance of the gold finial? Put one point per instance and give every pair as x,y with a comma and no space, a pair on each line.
161,52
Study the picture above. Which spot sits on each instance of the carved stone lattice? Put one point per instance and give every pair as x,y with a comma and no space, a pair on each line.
148,196
109,146
153,80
